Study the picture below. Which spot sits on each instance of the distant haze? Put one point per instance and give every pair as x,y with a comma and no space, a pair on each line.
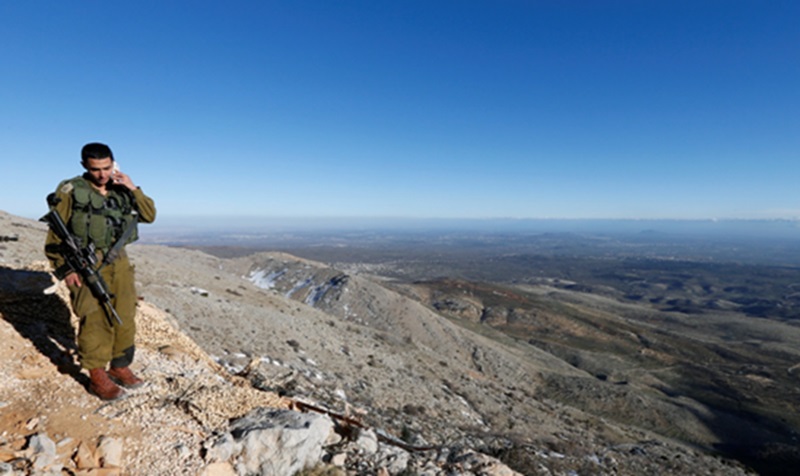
768,229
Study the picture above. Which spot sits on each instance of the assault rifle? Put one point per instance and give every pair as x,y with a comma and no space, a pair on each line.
82,261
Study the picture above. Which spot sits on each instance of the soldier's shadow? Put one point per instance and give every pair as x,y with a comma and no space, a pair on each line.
43,319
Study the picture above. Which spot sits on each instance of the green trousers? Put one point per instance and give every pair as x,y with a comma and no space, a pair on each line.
100,341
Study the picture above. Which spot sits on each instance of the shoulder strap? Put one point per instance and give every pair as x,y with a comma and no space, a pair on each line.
114,251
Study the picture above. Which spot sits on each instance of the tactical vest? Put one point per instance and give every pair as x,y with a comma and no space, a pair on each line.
101,219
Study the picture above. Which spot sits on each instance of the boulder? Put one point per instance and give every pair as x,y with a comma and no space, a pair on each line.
273,442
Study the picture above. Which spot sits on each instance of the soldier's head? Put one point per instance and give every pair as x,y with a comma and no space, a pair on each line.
96,150
98,161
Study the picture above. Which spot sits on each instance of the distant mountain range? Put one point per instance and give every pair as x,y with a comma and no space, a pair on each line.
767,228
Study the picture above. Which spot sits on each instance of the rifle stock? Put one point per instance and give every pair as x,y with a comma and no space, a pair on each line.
83,261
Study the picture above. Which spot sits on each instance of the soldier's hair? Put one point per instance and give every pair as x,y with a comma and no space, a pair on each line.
96,150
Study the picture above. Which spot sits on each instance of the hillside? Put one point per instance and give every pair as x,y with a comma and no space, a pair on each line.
214,345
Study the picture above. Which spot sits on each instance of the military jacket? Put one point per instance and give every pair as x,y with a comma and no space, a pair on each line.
96,218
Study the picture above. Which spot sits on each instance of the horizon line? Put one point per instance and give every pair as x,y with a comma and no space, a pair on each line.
497,218
183,216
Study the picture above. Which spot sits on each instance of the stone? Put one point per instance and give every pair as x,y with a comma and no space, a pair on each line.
367,442
43,452
339,459
109,452
220,468
481,464
394,459
273,442
84,457
6,469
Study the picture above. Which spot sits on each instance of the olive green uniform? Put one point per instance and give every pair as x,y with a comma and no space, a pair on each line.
101,220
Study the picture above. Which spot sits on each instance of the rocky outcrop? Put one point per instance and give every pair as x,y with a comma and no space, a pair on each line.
272,442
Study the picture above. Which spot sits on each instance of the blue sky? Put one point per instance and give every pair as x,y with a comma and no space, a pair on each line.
437,108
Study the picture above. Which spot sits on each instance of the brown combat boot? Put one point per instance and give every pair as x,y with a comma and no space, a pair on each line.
124,377
102,386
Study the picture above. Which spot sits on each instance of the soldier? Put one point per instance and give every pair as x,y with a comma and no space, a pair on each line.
102,207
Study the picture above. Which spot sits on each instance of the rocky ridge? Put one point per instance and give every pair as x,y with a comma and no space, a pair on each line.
403,392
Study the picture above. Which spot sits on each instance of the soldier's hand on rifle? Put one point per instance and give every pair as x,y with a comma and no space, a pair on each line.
73,279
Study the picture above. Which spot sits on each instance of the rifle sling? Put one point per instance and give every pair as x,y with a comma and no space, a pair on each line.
115,250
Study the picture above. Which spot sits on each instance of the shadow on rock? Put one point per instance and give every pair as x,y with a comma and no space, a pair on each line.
43,319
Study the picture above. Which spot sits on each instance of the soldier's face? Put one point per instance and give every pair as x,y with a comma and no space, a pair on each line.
99,170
